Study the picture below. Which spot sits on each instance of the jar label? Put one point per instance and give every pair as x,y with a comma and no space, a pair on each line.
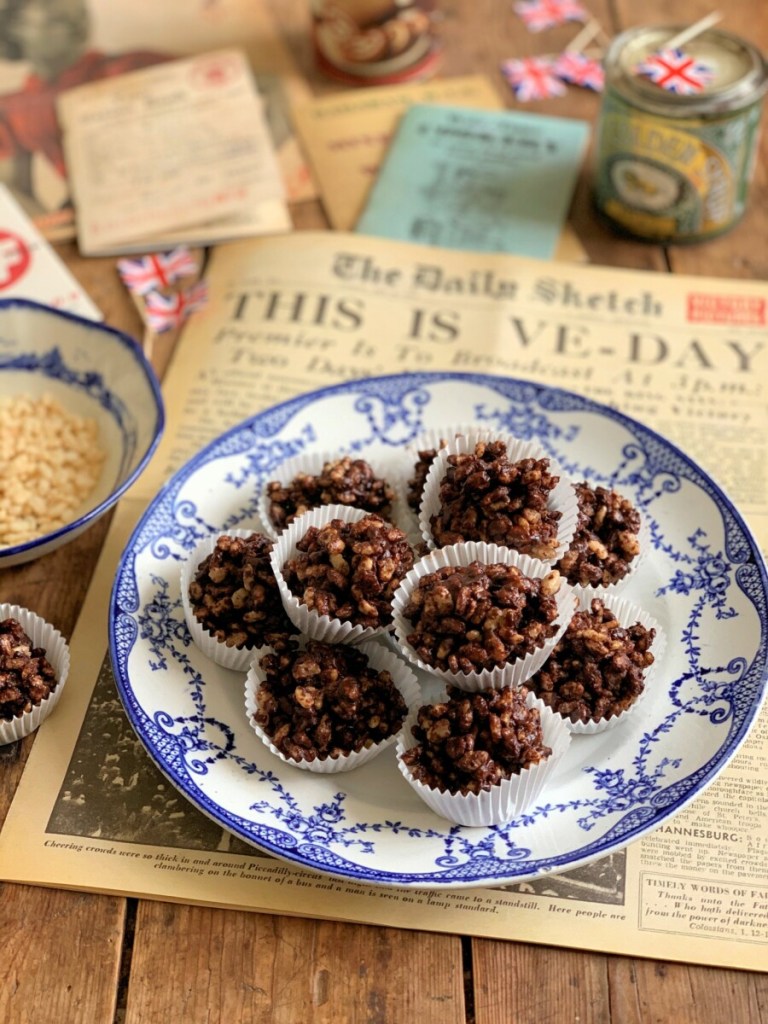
676,179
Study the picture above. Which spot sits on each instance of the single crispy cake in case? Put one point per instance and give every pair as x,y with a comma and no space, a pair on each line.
596,670
476,617
326,701
471,742
485,496
26,676
606,540
343,481
234,595
350,570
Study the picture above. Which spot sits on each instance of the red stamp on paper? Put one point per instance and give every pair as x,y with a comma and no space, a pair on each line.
215,72
14,258
739,310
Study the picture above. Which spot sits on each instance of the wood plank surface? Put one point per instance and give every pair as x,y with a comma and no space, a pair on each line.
259,968
61,954
538,984
72,958
644,991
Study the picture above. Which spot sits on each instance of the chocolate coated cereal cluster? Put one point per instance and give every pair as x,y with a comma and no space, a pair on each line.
415,485
473,741
343,481
476,617
350,571
485,496
325,701
235,597
597,667
606,538
26,675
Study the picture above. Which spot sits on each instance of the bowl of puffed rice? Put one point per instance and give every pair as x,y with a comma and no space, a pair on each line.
80,415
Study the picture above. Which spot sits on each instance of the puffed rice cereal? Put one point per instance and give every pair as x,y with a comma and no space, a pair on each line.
50,461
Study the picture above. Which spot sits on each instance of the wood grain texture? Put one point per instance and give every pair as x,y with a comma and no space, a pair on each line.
651,992
538,985
259,968
61,956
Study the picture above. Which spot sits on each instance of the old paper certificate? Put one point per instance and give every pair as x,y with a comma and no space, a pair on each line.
177,152
686,355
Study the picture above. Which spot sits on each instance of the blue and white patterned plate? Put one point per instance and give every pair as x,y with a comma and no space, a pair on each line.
704,582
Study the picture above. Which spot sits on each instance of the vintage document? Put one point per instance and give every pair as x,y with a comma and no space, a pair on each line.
179,28
482,180
290,314
178,152
346,138
346,135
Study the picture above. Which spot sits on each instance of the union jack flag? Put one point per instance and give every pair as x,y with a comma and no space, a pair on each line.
160,270
532,78
578,69
541,14
164,312
676,72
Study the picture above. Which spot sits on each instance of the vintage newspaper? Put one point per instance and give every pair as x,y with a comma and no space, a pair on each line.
686,355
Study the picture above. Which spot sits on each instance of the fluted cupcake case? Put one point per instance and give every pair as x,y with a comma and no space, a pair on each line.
514,673
308,621
235,658
43,635
380,659
627,613
509,798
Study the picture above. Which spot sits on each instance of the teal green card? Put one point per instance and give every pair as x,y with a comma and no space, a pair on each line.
488,181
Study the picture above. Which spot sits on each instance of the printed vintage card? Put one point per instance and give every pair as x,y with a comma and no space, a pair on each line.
477,180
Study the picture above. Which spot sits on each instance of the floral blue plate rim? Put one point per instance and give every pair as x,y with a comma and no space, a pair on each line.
704,580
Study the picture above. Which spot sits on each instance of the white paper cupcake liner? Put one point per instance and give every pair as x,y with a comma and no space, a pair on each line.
236,658
562,498
501,803
307,620
312,463
43,635
516,672
380,659
627,613
436,439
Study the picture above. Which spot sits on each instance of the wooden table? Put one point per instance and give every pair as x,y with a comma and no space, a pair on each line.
68,957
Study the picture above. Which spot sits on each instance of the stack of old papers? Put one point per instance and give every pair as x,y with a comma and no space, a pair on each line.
175,153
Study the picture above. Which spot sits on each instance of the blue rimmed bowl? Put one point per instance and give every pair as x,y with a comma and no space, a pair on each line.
91,370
